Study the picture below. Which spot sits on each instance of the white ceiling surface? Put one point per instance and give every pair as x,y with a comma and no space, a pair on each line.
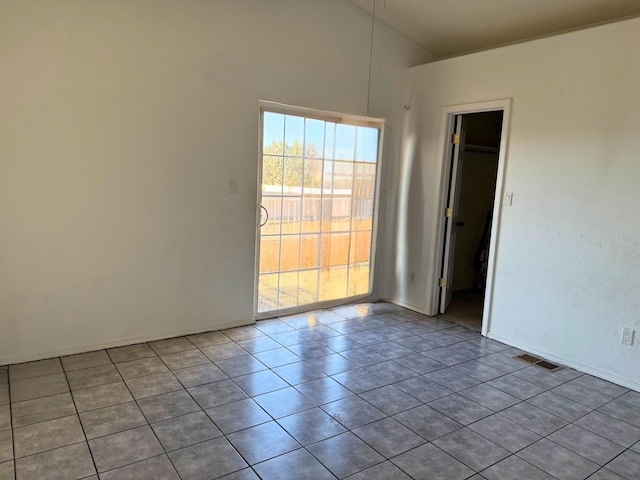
451,27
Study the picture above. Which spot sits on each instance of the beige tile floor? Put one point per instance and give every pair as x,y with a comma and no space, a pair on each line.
361,392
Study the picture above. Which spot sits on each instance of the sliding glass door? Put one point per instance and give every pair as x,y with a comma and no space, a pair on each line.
317,198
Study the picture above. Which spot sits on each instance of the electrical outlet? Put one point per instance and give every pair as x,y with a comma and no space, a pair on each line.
233,185
508,199
413,276
627,336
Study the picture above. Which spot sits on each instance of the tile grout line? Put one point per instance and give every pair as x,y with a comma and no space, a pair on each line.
204,411
545,437
13,437
75,407
525,401
302,447
550,433
224,435
625,449
54,448
349,430
520,402
347,334
134,463
142,412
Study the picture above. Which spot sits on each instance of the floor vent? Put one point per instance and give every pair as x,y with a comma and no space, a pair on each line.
529,358
538,362
552,367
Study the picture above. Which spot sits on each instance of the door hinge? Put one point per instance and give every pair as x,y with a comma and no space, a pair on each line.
448,212
442,282
455,138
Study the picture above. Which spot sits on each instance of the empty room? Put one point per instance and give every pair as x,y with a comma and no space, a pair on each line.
319,239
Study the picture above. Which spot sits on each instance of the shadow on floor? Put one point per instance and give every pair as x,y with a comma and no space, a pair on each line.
465,310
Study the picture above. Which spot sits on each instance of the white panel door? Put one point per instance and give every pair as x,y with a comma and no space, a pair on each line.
453,203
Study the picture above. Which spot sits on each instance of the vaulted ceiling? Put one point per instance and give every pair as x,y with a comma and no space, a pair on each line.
451,27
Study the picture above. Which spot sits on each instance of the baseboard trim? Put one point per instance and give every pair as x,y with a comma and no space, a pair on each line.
121,342
605,375
596,372
400,303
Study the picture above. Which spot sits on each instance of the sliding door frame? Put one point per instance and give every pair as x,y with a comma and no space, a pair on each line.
328,116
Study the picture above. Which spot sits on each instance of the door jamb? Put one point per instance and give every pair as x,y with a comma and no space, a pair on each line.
447,124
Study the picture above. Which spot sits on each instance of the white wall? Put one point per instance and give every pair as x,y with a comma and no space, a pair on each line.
121,123
568,263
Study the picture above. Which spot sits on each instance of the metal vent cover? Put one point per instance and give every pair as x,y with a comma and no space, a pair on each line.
529,358
539,362
552,367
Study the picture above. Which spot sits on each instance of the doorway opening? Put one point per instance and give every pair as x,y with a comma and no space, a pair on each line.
471,202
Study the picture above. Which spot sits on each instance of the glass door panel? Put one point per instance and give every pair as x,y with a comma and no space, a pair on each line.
318,188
